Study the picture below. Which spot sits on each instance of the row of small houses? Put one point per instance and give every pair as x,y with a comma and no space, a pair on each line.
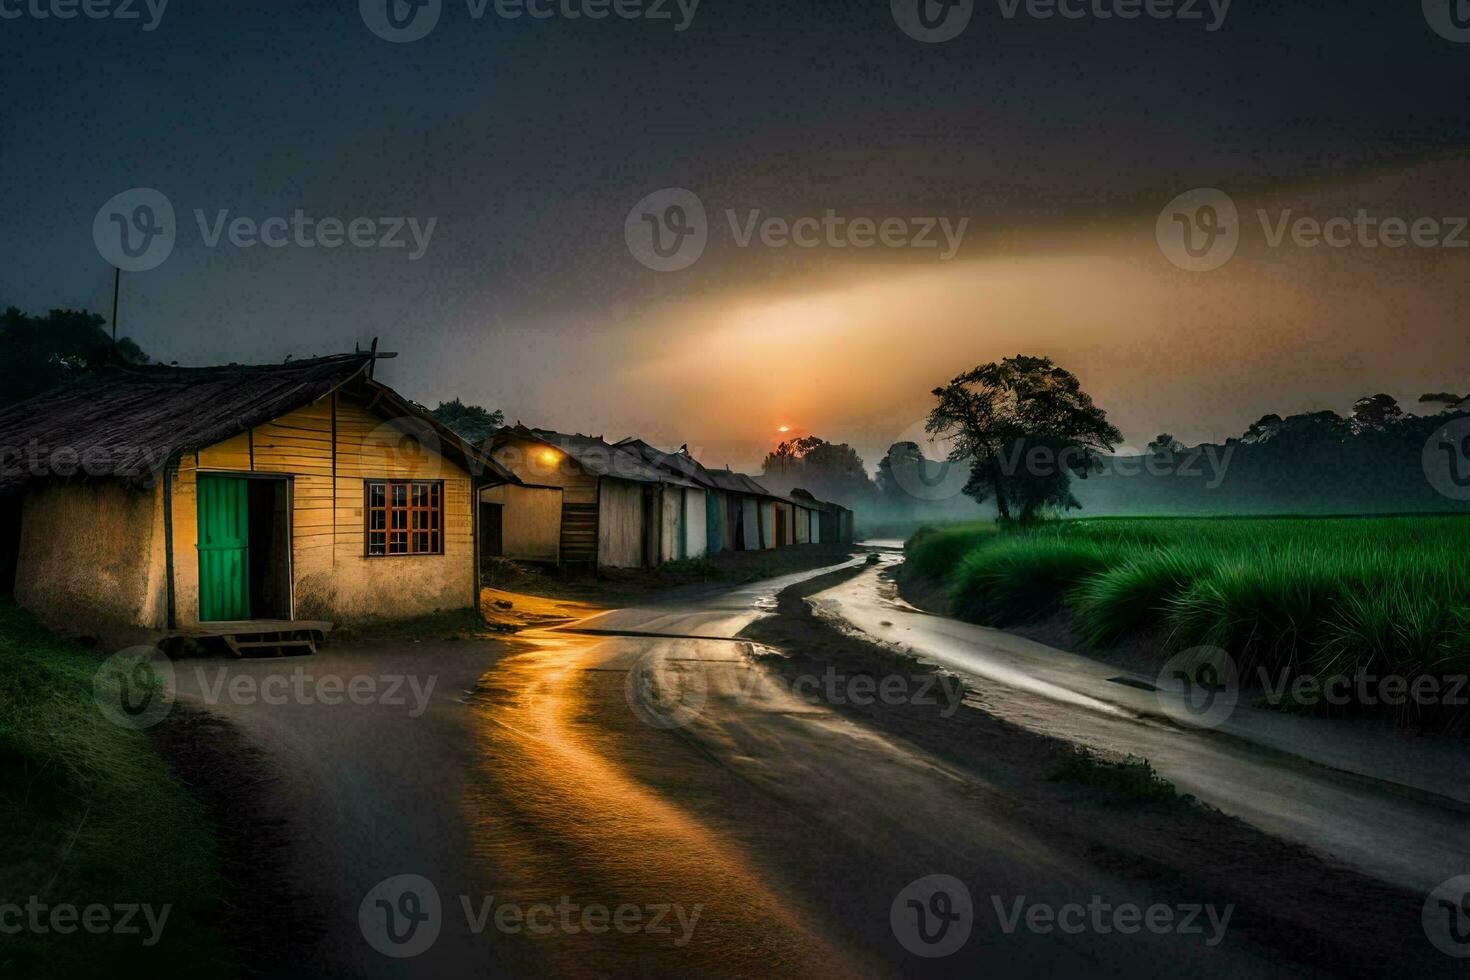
582,500
271,501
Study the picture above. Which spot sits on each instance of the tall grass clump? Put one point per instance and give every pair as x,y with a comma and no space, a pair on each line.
1267,610
1134,595
1021,575
934,552
1284,596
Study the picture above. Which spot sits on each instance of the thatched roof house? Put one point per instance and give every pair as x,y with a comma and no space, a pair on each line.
197,498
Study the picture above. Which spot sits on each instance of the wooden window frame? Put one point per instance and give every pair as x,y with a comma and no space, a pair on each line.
433,513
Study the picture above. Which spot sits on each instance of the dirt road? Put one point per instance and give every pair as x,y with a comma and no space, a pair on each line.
642,795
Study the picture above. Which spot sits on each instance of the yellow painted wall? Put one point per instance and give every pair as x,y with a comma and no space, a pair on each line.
530,521
91,556
540,465
333,578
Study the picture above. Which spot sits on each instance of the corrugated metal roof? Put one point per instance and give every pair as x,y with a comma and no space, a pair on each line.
679,464
596,455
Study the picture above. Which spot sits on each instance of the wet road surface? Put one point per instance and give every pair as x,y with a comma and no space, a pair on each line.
641,767
1397,806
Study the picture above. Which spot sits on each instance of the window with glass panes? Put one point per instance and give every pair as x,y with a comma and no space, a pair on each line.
405,517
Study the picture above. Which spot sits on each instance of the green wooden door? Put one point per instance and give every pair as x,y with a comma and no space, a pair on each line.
224,549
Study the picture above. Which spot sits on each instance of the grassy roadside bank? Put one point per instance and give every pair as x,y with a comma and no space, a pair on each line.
1287,598
1118,817
92,821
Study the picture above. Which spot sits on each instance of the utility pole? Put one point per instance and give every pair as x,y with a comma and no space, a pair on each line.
116,281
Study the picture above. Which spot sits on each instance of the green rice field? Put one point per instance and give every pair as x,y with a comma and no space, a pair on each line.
1315,596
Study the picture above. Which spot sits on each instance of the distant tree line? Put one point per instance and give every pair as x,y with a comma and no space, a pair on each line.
830,471
1371,461
1024,437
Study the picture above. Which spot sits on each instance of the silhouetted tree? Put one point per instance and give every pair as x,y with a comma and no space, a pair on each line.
1448,401
1026,428
1375,412
902,458
1164,443
470,422
38,353
832,471
1262,429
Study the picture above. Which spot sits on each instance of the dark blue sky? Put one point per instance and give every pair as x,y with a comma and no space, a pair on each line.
530,140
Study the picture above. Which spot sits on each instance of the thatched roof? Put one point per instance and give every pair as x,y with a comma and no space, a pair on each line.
127,423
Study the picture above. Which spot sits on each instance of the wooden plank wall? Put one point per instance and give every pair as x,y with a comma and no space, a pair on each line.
696,537
330,448
803,525
620,524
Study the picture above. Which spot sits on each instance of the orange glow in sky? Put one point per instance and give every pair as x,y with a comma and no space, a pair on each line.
855,351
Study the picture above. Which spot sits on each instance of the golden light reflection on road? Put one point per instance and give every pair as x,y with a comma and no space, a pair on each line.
558,814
